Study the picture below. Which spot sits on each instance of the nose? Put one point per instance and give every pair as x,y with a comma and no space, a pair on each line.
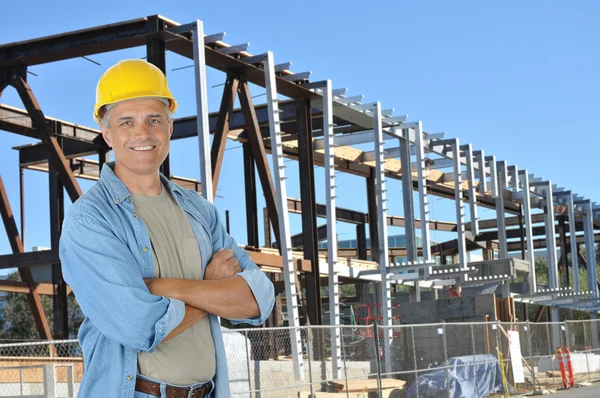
141,131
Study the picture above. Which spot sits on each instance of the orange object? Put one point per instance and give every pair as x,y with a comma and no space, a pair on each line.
563,373
570,367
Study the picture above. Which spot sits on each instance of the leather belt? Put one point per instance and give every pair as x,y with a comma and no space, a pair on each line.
151,388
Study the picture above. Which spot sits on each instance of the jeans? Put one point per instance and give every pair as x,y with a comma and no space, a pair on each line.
163,387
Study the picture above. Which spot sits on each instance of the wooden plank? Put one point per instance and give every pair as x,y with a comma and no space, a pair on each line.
362,385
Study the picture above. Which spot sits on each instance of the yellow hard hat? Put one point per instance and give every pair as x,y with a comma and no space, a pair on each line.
130,79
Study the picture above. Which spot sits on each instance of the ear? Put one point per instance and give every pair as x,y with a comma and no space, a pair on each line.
171,125
106,135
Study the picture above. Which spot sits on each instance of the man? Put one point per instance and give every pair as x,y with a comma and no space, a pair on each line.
149,262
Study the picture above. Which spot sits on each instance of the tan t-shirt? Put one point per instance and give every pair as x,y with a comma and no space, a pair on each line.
189,357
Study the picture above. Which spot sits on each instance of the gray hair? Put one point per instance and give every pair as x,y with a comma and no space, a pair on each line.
105,120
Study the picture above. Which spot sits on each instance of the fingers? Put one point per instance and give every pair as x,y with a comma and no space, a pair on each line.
232,262
237,269
224,254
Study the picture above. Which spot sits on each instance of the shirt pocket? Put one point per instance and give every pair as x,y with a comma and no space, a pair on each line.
192,259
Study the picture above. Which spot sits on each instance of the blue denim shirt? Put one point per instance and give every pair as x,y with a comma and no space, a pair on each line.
106,254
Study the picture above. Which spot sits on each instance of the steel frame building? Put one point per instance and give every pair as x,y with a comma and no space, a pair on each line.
318,125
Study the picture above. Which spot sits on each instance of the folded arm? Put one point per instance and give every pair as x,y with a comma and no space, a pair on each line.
108,285
229,298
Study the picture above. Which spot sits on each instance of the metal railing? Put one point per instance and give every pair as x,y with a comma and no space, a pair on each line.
444,356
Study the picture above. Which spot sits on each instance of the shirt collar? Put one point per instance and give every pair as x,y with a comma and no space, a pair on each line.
119,192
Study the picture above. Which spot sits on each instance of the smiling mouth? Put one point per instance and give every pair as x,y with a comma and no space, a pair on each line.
143,148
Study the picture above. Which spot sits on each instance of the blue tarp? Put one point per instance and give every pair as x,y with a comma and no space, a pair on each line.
461,377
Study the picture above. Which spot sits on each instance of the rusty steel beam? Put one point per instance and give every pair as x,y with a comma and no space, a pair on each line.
18,80
220,138
76,44
251,203
260,154
44,289
155,54
17,247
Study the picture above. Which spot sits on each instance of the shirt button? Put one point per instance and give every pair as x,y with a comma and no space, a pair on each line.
160,328
144,249
117,200
135,215
129,377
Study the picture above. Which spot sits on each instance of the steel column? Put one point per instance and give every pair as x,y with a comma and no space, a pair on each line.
482,174
155,54
423,196
563,269
289,272
202,124
373,216
408,205
551,247
460,207
309,210
501,185
386,298
573,238
472,192
361,241
22,203
251,204
528,231
220,137
334,298
17,248
60,305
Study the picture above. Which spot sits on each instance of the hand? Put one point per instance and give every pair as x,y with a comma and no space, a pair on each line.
223,265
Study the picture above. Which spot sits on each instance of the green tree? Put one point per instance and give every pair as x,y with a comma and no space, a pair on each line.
18,322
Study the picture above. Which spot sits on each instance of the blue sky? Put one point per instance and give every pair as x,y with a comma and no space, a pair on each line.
516,79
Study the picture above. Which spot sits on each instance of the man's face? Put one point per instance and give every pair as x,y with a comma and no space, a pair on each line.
139,133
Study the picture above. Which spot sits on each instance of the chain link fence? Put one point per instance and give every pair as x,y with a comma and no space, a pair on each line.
447,359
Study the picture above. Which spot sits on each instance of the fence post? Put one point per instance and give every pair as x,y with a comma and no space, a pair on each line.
531,356
70,382
412,335
475,360
248,359
49,381
344,359
309,355
585,342
446,364
377,358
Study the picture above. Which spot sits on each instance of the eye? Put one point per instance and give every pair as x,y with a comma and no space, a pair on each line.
126,123
154,120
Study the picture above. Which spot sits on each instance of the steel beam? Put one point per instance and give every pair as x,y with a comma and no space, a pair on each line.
155,54
528,231
460,207
251,203
18,80
423,196
480,156
309,220
260,156
408,205
472,191
60,305
334,297
500,186
573,238
202,126
220,138
590,254
386,298
289,273
17,248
